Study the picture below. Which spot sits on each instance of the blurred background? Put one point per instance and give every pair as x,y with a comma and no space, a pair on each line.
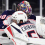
43,4
35,4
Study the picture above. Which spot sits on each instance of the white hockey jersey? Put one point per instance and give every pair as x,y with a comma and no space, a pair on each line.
29,29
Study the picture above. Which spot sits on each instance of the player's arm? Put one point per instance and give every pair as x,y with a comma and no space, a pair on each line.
2,26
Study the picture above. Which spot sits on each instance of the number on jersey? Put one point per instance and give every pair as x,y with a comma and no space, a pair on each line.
32,34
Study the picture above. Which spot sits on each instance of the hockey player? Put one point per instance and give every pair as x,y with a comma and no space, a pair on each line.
4,16
20,19
26,26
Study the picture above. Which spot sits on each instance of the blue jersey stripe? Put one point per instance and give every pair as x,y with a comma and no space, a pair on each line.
16,29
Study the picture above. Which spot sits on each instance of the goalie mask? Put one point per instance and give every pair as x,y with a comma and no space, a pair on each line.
26,7
19,15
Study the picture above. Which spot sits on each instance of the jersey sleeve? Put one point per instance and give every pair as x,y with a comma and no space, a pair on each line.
32,17
2,26
7,21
